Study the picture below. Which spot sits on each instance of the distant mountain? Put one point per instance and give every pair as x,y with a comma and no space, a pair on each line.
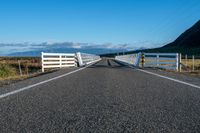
62,50
61,47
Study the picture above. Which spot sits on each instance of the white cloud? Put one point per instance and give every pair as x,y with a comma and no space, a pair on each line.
53,45
76,46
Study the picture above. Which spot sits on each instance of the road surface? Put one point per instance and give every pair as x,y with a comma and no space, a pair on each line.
105,97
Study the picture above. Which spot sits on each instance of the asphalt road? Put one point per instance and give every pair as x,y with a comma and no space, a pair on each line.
105,97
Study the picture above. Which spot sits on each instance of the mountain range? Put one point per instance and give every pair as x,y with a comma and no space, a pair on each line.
35,49
32,49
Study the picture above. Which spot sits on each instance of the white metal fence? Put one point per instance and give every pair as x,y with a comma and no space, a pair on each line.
61,60
57,60
133,59
162,60
170,61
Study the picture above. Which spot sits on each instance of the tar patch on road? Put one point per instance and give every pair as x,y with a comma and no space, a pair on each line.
108,61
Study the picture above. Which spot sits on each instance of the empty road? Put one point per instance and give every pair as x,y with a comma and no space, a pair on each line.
104,97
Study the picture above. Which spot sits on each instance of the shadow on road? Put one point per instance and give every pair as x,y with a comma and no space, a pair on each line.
109,63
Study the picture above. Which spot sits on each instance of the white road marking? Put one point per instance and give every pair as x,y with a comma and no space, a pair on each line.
40,83
165,77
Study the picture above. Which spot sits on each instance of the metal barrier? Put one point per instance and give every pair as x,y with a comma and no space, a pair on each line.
85,59
171,61
133,59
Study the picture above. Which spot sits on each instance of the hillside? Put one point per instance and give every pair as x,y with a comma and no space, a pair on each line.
189,39
187,43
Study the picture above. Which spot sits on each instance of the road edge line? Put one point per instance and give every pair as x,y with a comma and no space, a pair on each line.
161,76
166,77
43,82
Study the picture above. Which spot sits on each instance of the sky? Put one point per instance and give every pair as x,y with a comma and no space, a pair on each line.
138,23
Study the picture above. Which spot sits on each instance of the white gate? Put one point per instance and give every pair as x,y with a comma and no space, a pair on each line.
57,60
171,61
162,60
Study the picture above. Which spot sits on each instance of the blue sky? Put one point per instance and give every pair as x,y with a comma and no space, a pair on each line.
139,23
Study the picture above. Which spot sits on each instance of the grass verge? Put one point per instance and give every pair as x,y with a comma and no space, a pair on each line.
7,71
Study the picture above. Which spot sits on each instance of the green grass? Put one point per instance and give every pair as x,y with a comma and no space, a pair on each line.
7,71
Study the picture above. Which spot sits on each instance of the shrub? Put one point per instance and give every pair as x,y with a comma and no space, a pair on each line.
7,71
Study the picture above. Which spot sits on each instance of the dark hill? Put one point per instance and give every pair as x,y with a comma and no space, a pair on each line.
187,43
189,39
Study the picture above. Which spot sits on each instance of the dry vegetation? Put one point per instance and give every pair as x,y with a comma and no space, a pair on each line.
188,65
9,67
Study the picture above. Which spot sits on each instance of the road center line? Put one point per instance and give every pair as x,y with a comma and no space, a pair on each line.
165,77
42,82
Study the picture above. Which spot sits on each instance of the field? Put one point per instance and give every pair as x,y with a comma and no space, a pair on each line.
15,68
188,65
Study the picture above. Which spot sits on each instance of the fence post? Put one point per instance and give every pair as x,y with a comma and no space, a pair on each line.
193,63
27,68
177,62
80,61
42,61
157,60
180,61
20,69
186,59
